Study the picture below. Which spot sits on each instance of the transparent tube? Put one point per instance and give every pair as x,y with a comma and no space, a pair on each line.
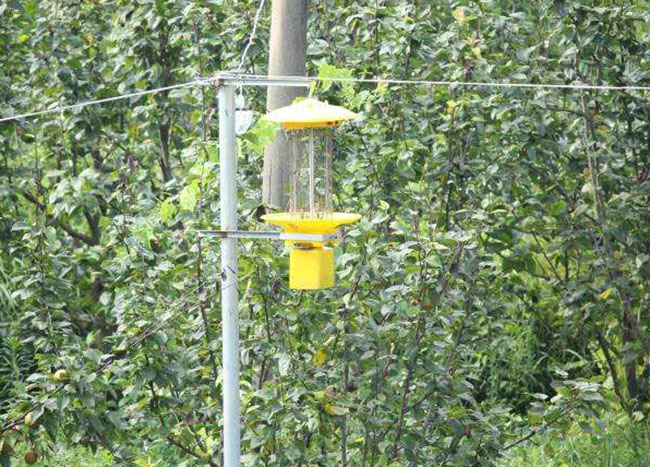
310,180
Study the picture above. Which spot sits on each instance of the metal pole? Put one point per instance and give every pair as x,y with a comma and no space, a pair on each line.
229,295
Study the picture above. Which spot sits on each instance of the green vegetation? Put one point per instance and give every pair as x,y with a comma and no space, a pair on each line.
496,289
612,442
73,457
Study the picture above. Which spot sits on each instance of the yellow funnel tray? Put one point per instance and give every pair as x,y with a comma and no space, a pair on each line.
291,223
310,113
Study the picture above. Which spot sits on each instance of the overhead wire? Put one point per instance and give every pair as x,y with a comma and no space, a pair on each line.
251,38
424,82
78,105
246,79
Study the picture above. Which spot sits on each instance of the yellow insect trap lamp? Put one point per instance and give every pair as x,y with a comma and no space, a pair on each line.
309,127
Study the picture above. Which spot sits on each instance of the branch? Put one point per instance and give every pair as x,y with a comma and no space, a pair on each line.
443,280
62,225
407,386
190,451
612,369
535,431
552,179
70,231
564,109
629,320
93,223
548,260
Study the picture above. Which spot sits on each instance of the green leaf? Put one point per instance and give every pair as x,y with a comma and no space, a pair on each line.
332,72
261,135
189,196
51,426
167,210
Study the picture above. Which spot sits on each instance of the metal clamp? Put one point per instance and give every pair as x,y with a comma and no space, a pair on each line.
270,235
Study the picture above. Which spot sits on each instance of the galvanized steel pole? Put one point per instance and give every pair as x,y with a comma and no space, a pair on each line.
229,293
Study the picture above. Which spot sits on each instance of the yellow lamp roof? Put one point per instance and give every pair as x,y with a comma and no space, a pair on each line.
310,113
292,224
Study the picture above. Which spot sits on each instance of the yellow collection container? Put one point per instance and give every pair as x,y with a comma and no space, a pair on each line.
311,264
311,268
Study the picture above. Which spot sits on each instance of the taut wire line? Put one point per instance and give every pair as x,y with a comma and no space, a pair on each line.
62,108
492,84
252,36
243,79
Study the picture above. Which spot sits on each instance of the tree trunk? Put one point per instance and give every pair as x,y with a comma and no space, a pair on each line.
287,57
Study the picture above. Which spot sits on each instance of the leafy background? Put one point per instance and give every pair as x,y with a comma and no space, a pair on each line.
495,290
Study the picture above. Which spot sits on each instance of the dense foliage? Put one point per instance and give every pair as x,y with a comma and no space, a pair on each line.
496,286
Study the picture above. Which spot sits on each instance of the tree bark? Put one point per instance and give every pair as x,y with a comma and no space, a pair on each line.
287,57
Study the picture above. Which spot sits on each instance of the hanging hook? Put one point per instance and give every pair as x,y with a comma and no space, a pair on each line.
243,116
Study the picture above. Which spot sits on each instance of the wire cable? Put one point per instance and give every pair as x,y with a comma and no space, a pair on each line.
62,108
252,36
493,84
250,79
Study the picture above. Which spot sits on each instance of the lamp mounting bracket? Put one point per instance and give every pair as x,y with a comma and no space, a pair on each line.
271,235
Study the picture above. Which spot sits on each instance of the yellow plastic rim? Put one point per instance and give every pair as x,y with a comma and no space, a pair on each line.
292,224
310,113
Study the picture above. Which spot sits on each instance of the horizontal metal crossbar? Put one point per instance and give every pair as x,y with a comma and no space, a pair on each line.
234,78
310,237
270,235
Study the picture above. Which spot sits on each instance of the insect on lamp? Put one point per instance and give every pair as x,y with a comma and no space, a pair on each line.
309,127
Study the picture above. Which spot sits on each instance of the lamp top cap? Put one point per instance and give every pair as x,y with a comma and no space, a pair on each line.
310,113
